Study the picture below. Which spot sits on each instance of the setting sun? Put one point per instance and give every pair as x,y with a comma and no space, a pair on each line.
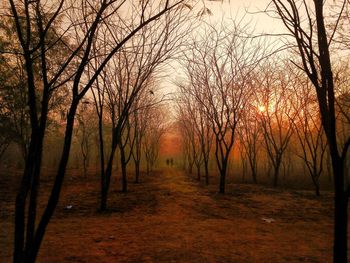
261,108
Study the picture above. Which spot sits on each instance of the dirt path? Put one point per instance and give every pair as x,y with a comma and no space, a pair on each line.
172,218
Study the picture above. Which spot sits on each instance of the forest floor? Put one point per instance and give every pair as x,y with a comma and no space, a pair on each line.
171,217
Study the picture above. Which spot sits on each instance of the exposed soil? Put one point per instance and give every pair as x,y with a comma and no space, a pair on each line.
170,217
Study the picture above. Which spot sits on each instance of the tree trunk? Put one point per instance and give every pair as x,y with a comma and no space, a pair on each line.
223,177
30,181
85,167
31,218
198,172
137,171
255,181
275,176
106,180
276,172
206,172
317,190
190,167
340,214
124,179
244,169
103,204
20,211
123,165
315,180
56,189
253,167
222,181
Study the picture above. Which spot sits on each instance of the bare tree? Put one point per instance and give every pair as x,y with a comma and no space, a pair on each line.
126,145
154,133
306,24
139,119
250,136
308,128
206,141
85,134
196,131
132,69
186,135
219,68
274,113
187,118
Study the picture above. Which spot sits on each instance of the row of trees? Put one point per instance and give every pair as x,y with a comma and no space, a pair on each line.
239,92
54,54
220,66
142,138
279,118
314,38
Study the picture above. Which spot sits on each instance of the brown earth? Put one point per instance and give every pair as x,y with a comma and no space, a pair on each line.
170,217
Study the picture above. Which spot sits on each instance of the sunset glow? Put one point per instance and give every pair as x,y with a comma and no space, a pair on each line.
261,108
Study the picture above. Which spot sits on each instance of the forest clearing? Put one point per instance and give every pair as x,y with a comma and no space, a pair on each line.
171,217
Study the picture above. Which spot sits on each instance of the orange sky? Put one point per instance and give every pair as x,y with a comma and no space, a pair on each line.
171,144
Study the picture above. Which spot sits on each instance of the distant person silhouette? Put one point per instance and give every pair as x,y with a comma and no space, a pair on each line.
167,162
171,162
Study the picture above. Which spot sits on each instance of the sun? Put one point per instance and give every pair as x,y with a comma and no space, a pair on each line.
261,108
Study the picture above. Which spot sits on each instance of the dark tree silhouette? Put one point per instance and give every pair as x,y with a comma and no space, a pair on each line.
220,66
313,46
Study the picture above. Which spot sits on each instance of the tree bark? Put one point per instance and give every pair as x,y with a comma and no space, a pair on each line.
106,180
206,172
276,173
222,181
102,162
137,171
198,172
123,164
340,214
223,172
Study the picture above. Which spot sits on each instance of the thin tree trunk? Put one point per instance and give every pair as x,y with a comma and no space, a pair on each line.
123,165
21,203
85,167
316,182
30,181
56,189
317,190
103,204
206,172
222,181
223,172
137,171
198,172
275,176
106,180
276,172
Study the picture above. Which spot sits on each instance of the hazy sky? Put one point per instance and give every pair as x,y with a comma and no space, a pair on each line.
238,8
259,21
230,10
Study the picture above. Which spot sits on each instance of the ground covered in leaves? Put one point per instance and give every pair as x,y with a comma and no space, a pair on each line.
171,217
